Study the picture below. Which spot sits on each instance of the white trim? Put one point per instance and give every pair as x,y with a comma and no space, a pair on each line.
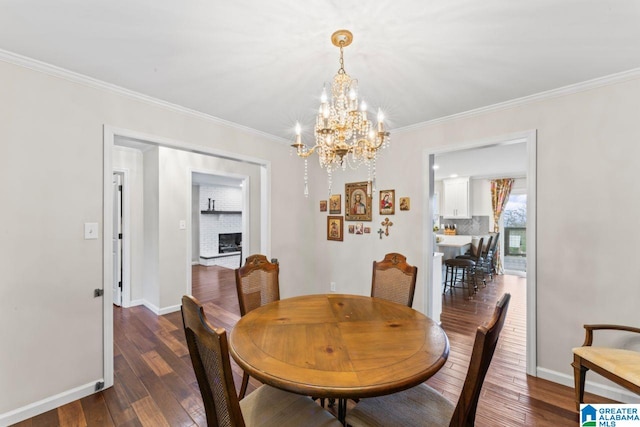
532,254
74,77
616,393
540,96
160,311
265,209
530,138
47,404
107,260
159,141
432,308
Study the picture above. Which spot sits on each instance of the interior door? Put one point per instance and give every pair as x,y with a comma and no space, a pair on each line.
117,238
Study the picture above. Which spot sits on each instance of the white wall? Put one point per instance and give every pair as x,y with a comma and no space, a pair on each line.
587,160
211,225
51,153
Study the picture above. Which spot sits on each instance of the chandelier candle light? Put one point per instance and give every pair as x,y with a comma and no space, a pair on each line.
344,134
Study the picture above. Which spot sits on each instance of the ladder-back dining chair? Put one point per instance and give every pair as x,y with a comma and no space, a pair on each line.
266,406
423,405
393,279
257,284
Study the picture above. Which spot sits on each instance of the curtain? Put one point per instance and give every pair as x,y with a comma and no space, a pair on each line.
500,190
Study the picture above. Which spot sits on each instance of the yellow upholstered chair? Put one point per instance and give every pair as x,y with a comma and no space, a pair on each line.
266,406
394,280
618,365
424,406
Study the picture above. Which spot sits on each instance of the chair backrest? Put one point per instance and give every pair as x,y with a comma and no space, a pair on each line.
487,247
483,349
394,280
209,353
257,283
496,236
477,254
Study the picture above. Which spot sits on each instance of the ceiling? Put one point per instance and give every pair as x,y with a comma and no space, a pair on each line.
507,160
262,64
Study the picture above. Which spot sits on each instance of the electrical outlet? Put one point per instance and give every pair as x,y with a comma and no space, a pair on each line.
333,286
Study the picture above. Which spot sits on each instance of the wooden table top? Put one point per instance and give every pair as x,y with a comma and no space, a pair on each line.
338,345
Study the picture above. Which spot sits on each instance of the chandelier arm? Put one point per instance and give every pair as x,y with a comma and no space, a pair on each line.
304,154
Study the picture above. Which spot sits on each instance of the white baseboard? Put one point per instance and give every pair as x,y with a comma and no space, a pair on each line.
161,311
44,405
153,307
611,392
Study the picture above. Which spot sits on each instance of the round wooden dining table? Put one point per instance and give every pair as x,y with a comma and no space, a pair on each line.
338,346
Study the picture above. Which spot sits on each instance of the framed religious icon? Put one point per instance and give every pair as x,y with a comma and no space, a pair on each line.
323,205
335,204
352,229
387,202
335,225
357,205
405,203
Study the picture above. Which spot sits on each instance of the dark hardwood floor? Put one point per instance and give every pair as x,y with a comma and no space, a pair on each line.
155,384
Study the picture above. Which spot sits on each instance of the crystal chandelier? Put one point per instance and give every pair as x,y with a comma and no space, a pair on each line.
343,133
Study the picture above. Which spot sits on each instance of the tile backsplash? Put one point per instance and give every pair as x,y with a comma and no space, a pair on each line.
474,226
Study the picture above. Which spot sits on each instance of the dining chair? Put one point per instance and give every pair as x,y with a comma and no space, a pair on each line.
490,259
460,271
393,279
257,284
615,363
423,405
266,406
477,257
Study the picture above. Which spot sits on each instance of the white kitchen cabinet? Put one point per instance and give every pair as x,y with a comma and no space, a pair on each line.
456,198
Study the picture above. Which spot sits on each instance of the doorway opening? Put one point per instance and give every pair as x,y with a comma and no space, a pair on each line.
468,154
159,205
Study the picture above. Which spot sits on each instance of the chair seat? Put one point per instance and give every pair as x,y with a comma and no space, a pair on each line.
417,406
622,363
269,406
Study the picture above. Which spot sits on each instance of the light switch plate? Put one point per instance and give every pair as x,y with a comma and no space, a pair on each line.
90,230
183,224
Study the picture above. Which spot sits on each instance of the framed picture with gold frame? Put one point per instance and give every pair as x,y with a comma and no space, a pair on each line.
323,205
387,202
357,204
405,203
335,204
335,228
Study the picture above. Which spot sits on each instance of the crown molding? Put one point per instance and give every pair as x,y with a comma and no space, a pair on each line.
55,71
541,96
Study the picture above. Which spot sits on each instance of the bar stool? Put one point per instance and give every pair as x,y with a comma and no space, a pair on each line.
462,271
478,258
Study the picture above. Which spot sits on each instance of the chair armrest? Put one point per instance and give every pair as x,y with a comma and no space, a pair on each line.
588,339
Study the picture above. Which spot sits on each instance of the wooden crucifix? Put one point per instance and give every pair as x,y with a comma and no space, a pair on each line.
386,223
